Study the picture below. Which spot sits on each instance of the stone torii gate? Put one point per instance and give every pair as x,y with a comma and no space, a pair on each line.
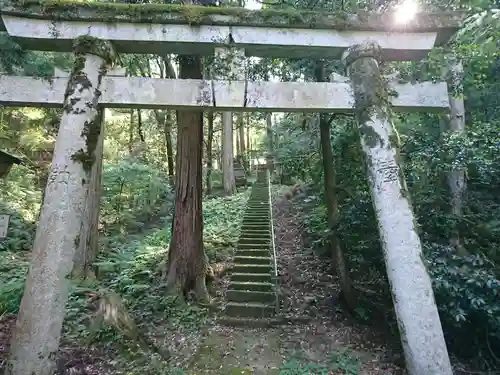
95,33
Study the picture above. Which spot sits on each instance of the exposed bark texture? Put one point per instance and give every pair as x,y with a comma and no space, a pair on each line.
170,148
164,119
139,126
88,248
238,143
229,66
130,145
418,319
241,128
227,153
249,146
36,337
169,73
456,177
209,156
187,262
330,177
270,148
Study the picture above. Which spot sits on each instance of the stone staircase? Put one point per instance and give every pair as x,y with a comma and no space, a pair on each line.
251,294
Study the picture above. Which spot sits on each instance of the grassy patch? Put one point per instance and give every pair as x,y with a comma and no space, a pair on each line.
341,362
132,270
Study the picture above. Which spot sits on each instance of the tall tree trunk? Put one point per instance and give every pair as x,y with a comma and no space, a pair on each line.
234,59
306,162
218,147
187,262
210,138
139,126
165,120
334,242
131,134
241,127
236,140
227,153
456,177
88,248
270,148
330,178
170,148
249,146
35,341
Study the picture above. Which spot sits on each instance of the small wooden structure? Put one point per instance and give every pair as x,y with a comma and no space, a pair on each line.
6,162
240,175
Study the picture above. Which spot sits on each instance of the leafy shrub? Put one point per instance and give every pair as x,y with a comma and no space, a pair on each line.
467,291
133,193
341,362
19,198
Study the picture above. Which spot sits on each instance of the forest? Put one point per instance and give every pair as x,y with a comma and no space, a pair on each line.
332,285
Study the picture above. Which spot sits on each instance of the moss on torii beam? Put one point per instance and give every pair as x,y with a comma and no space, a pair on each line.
192,14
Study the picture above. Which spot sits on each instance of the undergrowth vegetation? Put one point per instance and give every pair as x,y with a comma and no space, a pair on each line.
467,288
136,213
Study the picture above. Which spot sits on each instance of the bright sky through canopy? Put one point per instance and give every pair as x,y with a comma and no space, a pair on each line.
252,4
405,11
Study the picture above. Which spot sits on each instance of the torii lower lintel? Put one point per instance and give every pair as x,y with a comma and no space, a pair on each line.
237,96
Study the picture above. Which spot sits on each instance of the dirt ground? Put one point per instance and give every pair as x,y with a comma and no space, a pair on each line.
308,293
326,336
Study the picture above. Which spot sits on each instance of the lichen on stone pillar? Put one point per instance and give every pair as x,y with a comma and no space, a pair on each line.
36,338
411,288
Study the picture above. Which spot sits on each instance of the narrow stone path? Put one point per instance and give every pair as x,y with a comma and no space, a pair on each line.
251,293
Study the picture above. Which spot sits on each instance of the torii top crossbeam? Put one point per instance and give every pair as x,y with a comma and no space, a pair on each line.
153,28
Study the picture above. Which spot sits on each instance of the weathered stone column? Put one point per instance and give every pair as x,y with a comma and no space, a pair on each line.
418,319
36,337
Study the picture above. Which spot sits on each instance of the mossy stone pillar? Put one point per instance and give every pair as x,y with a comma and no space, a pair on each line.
36,337
418,319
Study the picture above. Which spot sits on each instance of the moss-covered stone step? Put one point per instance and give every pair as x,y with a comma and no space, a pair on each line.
250,296
255,226
253,252
255,220
238,259
257,232
247,237
254,309
254,240
258,227
251,285
257,215
265,277
252,268
254,246
249,322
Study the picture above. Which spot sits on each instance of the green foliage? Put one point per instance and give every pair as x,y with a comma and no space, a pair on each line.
342,362
222,218
133,193
20,199
467,290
